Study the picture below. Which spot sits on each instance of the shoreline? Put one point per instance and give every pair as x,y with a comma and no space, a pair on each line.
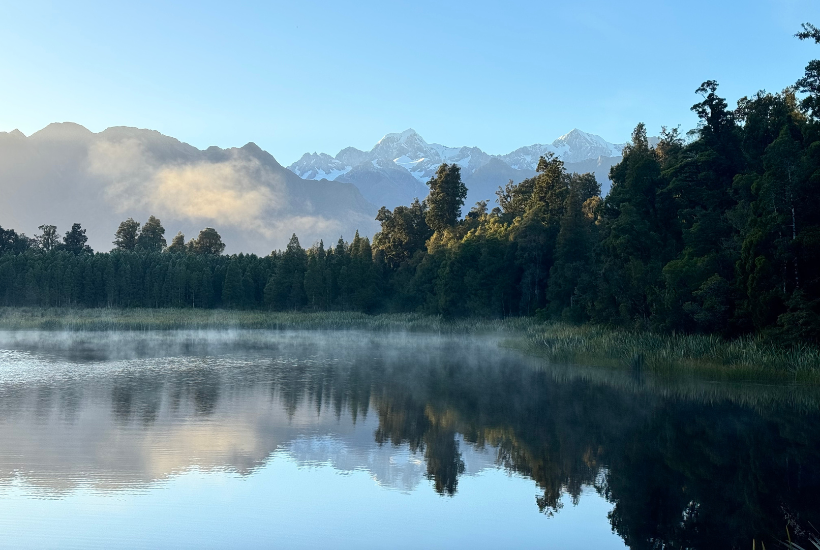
141,320
668,356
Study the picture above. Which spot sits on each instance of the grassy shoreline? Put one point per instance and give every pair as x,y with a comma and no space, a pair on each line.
661,355
102,320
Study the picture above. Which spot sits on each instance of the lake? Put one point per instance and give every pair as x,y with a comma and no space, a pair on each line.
365,440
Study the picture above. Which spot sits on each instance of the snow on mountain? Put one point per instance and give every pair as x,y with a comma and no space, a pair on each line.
385,182
381,173
320,166
576,146
409,150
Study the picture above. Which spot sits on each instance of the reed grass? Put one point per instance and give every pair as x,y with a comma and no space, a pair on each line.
748,358
710,357
102,320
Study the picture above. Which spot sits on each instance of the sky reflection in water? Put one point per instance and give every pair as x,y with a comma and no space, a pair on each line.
355,440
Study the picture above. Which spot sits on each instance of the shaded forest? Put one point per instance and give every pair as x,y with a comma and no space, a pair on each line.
714,231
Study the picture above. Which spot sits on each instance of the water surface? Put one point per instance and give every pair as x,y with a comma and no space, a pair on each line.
356,440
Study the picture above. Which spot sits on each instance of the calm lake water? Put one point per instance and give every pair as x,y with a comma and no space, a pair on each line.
357,440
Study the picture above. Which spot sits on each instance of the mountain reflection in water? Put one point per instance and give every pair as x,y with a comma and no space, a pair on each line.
128,412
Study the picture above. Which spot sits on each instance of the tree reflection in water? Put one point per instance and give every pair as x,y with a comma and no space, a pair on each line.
681,471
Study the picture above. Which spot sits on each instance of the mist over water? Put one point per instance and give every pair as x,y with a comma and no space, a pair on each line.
257,438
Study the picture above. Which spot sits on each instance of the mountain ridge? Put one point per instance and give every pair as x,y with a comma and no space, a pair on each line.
380,174
100,179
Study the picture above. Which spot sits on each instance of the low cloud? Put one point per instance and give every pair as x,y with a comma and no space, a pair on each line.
222,192
238,191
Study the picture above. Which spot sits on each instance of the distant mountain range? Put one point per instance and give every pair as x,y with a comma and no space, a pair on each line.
65,173
397,168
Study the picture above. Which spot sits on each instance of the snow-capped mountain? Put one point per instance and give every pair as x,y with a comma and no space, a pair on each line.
407,150
397,168
576,146
320,166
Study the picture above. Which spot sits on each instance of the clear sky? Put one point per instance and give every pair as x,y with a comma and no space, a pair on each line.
318,76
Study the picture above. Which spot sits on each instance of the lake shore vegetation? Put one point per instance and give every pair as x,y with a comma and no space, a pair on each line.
707,357
149,319
663,355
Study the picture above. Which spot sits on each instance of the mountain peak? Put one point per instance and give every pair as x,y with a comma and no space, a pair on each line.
62,130
577,145
575,135
258,153
572,133
401,137
400,163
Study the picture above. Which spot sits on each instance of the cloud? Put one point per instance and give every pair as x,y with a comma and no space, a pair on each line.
307,226
238,191
225,192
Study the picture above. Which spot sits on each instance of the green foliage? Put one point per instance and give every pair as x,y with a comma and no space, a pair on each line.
317,275
285,289
404,232
570,280
706,355
152,236
47,240
177,244
159,319
12,242
127,233
75,239
208,242
447,194
810,82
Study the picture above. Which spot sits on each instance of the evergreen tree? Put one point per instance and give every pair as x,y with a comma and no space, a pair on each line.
127,234
632,244
152,236
570,282
360,280
12,242
47,240
404,231
74,241
447,194
177,244
697,290
232,291
286,288
208,242
315,284
810,82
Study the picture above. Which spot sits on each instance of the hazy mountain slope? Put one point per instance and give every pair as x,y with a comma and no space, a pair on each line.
384,182
599,166
397,168
65,173
485,181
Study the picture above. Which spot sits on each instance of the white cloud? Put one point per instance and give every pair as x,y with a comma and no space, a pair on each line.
238,191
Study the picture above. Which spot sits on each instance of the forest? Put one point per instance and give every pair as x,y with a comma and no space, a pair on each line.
713,231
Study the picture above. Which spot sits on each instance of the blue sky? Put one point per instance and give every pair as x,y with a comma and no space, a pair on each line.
318,76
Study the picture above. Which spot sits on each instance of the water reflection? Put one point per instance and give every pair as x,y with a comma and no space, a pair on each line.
681,471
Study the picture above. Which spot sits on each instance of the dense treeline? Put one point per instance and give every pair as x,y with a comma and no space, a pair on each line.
716,232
